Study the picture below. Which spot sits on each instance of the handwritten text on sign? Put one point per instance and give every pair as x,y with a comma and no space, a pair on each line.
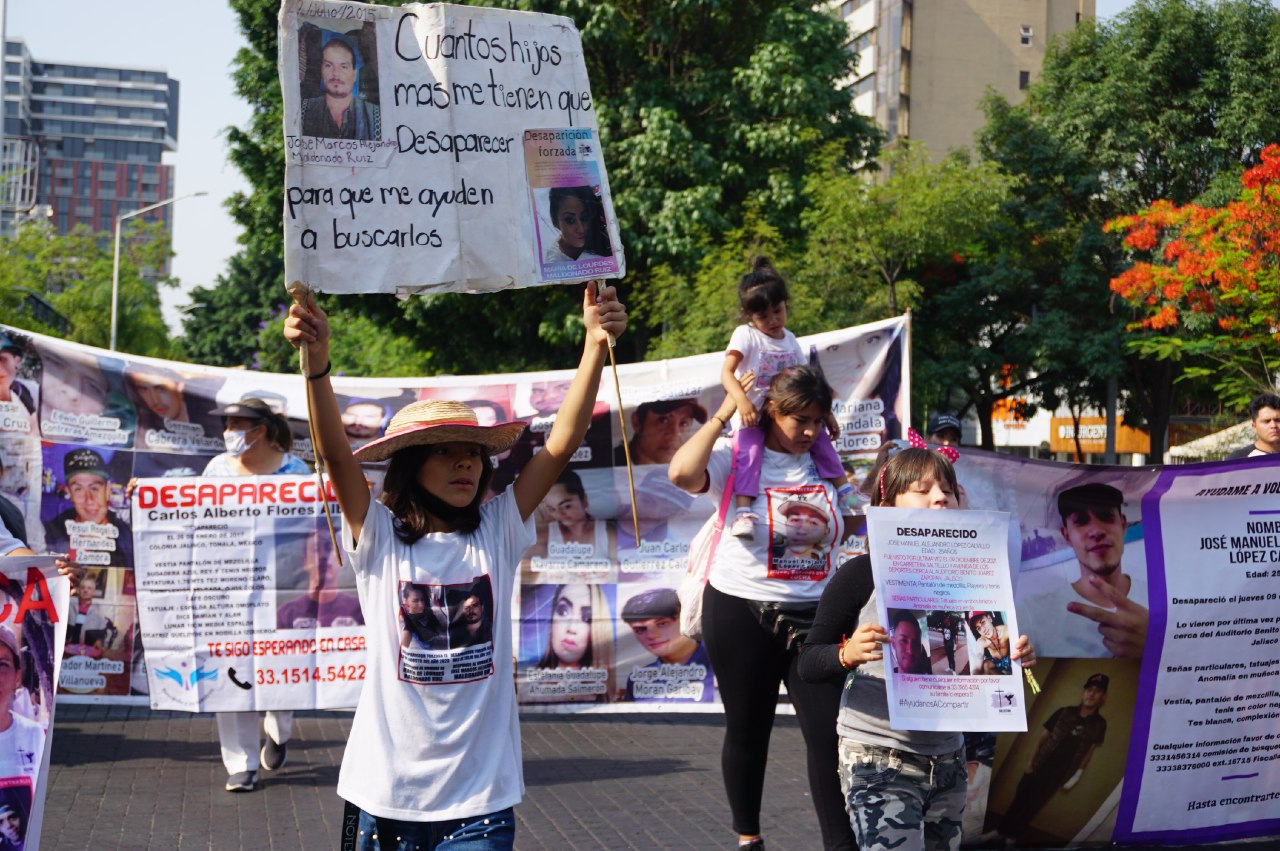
403,132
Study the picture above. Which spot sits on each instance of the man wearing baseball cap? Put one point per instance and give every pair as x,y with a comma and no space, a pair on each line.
1060,757
944,429
104,538
654,617
1109,605
660,428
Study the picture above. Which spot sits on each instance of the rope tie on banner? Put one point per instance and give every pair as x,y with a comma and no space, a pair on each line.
301,295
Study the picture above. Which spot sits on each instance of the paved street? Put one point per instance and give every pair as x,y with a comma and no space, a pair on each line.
127,777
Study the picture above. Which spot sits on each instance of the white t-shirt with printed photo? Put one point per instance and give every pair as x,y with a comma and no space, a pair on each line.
785,561
765,355
21,748
436,734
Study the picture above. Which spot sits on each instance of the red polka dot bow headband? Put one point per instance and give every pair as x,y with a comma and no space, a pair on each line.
917,442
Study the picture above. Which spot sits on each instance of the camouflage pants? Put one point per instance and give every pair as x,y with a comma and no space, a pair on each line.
900,800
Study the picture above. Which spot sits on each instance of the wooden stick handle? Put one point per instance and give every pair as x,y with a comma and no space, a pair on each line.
303,297
626,444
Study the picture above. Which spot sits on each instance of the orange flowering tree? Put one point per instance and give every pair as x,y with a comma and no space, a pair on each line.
1205,286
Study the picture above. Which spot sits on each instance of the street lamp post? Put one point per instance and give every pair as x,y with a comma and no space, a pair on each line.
115,265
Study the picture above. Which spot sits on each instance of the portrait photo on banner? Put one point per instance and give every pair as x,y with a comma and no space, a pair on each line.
311,589
1084,523
1060,781
84,509
173,408
97,658
576,538
656,662
566,643
82,397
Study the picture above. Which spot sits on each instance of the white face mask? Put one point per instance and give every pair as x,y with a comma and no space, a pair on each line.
236,442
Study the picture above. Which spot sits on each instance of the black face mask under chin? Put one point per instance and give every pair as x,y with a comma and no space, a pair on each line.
438,508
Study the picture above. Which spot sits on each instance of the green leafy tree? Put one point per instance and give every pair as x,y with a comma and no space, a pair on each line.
73,273
1168,100
920,211
1050,233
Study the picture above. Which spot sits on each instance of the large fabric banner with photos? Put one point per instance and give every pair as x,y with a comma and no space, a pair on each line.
1149,592
80,423
437,148
34,601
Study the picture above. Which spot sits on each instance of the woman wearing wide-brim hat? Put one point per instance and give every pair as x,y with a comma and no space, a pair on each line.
435,744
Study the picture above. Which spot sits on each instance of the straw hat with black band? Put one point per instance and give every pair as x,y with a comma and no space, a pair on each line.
439,421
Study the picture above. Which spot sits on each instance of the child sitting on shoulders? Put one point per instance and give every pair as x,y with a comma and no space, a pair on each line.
763,346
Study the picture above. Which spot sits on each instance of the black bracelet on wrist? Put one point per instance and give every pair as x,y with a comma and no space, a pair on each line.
723,422
328,366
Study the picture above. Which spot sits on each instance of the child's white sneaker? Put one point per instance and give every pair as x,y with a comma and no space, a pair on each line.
744,525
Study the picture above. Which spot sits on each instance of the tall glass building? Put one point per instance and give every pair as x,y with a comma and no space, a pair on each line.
84,143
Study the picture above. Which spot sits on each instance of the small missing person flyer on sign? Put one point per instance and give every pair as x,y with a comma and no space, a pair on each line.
946,600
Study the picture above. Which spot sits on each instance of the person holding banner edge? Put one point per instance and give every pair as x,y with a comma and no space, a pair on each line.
756,605
257,442
904,790
438,763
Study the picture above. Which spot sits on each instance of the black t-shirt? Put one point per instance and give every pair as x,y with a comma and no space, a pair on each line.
1070,737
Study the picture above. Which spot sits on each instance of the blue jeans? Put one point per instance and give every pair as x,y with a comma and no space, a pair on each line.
491,832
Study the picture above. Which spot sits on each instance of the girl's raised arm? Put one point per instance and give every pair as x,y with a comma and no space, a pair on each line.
603,315
308,326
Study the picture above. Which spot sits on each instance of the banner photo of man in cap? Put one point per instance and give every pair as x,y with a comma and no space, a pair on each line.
1060,781
17,395
92,481
679,670
1092,604
659,428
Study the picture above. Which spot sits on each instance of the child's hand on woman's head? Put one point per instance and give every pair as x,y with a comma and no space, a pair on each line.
833,427
602,314
747,413
307,325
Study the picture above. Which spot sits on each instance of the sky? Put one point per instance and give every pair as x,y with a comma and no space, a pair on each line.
132,33
199,56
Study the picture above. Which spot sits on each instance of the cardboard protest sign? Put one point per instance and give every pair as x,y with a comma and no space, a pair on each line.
440,148
33,620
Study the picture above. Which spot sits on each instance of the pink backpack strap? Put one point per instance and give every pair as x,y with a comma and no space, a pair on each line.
718,527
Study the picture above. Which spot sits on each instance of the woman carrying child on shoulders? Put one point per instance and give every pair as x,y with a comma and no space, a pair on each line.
762,345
